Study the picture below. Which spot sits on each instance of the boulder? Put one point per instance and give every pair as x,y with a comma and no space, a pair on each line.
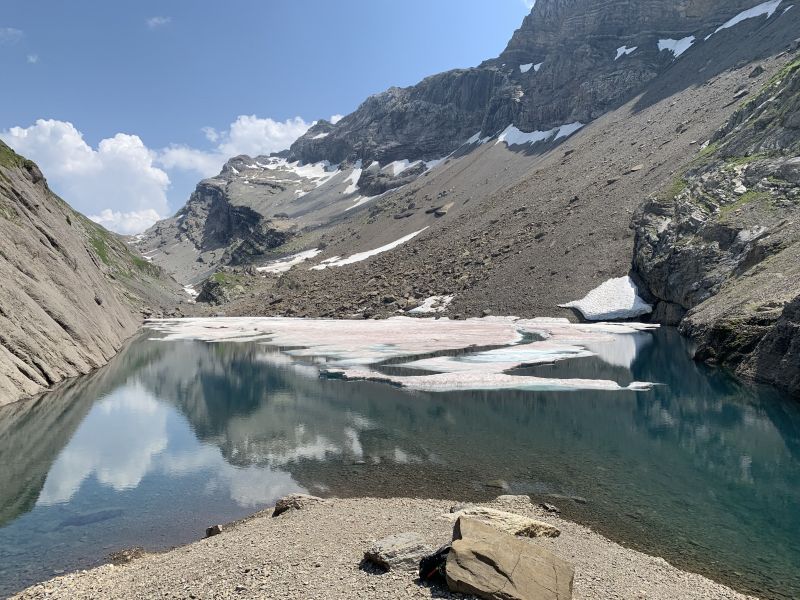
507,522
512,499
491,564
213,530
294,502
398,552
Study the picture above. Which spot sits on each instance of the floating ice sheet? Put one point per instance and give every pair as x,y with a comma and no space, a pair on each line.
352,349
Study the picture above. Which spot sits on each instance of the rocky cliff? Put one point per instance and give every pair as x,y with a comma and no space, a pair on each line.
571,61
70,291
720,248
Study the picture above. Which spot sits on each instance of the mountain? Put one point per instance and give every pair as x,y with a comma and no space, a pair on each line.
513,187
71,292
720,249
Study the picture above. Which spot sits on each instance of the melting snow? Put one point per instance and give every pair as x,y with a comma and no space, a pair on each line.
339,262
624,51
537,66
514,137
677,47
350,348
615,299
320,136
477,139
352,188
434,304
766,8
398,166
525,68
284,264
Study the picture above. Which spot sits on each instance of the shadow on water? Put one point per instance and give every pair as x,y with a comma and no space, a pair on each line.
174,436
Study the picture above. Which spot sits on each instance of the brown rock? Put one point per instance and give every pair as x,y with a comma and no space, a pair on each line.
494,565
507,522
294,502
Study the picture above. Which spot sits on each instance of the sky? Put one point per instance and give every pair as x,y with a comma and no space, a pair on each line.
127,105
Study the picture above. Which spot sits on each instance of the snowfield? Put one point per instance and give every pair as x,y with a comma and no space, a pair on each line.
340,262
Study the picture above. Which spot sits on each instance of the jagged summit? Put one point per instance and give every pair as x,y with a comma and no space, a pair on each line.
571,61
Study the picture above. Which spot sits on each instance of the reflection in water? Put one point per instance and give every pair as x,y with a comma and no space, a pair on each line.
172,437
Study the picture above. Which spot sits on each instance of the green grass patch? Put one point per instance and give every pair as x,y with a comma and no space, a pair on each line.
750,197
9,158
100,248
675,188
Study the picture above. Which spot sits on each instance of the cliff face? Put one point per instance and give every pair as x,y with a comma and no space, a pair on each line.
720,250
70,291
572,60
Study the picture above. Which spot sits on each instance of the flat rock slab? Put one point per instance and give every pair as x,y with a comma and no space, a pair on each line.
398,552
507,522
494,565
294,502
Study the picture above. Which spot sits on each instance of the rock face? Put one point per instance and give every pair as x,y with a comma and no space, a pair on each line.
561,66
722,245
398,552
70,291
496,566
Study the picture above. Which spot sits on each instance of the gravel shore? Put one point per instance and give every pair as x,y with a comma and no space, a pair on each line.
316,552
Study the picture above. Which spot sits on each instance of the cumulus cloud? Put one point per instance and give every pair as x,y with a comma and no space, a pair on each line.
156,22
9,36
336,118
248,134
117,182
529,4
33,59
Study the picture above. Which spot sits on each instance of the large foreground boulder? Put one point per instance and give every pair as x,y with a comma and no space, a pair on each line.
494,565
507,522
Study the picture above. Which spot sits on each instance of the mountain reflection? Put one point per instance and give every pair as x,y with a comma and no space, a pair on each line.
177,433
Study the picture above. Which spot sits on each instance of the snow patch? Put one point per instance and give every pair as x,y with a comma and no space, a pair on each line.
434,304
361,256
284,264
614,299
477,139
766,8
525,68
352,180
514,137
677,47
320,136
624,51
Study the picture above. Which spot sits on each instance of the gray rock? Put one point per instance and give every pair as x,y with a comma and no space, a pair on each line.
398,552
507,521
494,565
294,502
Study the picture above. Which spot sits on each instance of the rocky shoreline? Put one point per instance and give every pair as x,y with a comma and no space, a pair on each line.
317,552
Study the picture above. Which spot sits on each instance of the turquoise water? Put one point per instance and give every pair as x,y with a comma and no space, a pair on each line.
174,436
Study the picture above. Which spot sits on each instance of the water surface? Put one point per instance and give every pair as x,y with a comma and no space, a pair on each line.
174,436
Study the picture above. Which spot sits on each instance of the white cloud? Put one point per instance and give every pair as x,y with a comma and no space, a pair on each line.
33,59
248,134
127,222
156,22
9,35
336,118
118,181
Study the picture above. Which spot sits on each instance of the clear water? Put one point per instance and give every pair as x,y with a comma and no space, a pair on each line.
173,437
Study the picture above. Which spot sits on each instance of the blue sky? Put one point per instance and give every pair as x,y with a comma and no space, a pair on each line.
127,105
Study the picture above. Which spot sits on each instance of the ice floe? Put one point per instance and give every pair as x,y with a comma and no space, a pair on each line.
339,262
624,51
284,264
677,47
765,8
353,350
615,299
